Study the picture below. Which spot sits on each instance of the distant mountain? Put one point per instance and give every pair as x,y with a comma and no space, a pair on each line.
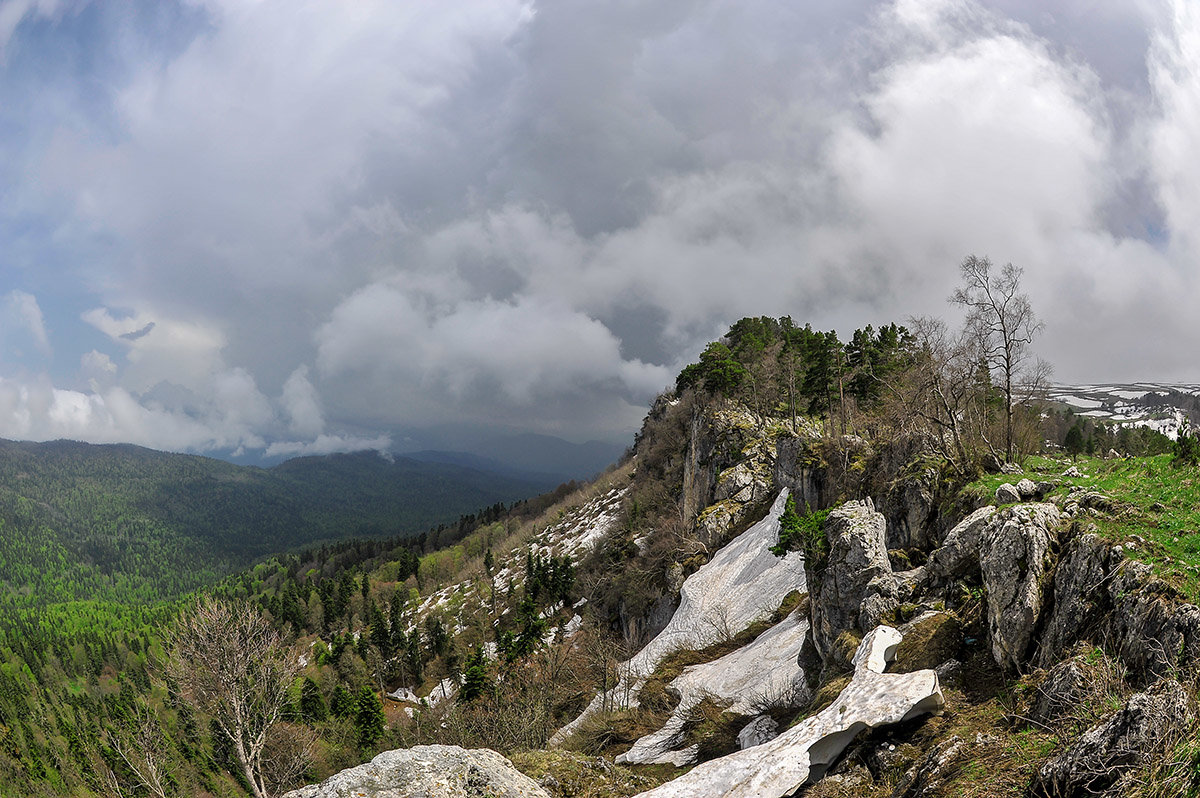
1164,407
81,521
541,457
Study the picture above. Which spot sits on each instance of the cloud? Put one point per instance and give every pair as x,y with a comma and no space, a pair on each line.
328,444
305,226
14,12
22,324
302,405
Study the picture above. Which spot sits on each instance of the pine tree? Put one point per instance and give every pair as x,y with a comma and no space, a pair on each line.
368,719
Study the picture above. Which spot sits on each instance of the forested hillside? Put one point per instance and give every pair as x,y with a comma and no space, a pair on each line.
99,543
128,524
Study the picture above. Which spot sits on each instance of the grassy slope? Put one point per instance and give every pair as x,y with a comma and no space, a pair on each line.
1157,508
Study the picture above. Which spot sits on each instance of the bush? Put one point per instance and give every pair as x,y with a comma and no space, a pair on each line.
802,532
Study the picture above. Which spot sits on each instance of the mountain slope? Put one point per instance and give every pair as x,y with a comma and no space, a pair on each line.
132,524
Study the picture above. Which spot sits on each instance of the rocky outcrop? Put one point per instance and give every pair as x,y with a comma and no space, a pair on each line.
911,511
1058,697
1015,559
1102,597
1129,738
929,775
802,754
1007,494
428,771
761,729
958,555
855,590
732,465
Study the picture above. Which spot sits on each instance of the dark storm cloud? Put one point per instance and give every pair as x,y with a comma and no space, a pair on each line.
303,227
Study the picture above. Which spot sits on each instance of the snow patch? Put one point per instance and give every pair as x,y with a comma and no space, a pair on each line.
742,583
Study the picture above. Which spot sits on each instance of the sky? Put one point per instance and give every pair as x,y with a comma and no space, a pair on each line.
278,227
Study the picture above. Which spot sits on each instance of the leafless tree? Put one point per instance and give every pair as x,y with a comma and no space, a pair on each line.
935,396
234,667
140,745
1002,321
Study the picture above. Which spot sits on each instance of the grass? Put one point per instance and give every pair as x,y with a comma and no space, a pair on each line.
566,774
1157,508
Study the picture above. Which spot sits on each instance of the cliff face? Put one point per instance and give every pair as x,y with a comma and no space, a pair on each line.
1001,595
978,643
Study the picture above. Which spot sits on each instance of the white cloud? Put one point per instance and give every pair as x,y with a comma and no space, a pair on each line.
22,323
533,213
14,12
328,444
302,405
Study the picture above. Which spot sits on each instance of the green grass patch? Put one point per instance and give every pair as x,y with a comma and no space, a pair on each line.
1156,507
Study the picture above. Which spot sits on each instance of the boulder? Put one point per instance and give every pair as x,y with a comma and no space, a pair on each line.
1007,494
762,729
930,774
856,588
958,555
1059,695
803,753
428,771
1010,468
1028,490
1130,738
929,640
1015,558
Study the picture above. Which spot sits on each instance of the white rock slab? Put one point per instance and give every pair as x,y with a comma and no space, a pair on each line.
404,694
742,583
802,754
445,689
764,672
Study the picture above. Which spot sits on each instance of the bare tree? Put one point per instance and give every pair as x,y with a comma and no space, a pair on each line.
1003,323
141,747
234,667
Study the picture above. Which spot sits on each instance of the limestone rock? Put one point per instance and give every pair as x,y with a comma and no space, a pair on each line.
1007,494
856,587
1100,595
1014,557
803,753
1028,489
911,511
1080,597
745,482
1010,468
930,774
428,771
959,553
1127,739
1064,687
761,729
